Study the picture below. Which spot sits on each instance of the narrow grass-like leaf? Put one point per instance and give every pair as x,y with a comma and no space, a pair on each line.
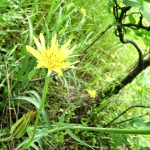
24,67
31,74
62,118
30,27
34,146
67,88
36,104
40,134
34,93
77,138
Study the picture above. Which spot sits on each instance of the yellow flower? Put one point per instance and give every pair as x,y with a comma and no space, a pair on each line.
52,57
92,93
103,60
138,88
113,56
97,83
83,10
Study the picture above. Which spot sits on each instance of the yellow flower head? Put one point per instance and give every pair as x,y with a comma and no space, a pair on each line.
92,93
103,60
83,10
52,57
138,88
113,56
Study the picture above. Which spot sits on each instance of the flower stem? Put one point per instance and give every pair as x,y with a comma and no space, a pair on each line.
114,130
7,139
106,130
40,109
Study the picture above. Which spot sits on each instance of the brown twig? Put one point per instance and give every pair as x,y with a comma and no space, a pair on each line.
127,120
141,106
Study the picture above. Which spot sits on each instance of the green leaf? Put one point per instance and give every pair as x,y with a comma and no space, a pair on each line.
142,140
131,19
133,3
30,27
139,124
40,134
117,140
3,32
77,139
117,24
144,148
2,20
138,33
25,65
34,93
70,5
147,1
124,138
146,12
31,74
36,103
62,118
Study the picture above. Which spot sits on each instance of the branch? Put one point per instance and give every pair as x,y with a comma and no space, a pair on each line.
121,34
125,112
138,26
128,79
114,88
127,120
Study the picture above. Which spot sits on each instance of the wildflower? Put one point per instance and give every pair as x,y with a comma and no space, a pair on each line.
52,57
113,56
97,83
138,88
92,93
83,10
19,128
103,60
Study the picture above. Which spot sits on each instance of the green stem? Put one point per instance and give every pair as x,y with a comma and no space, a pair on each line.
106,130
114,130
7,139
39,111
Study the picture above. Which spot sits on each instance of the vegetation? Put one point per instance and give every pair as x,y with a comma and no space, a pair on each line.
102,102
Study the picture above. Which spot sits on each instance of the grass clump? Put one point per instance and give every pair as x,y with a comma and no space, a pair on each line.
68,103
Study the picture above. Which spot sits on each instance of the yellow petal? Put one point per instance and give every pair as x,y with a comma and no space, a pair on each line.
49,72
34,52
58,72
42,40
40,65
92,93
64,47
72,49
66,54
37,43
83,10
54,45
54,40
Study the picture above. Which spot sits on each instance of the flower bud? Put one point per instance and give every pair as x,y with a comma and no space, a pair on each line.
19,128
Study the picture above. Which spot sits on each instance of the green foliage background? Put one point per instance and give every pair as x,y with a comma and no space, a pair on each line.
106,62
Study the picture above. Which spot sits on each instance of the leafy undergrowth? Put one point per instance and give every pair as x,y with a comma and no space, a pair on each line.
104,63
